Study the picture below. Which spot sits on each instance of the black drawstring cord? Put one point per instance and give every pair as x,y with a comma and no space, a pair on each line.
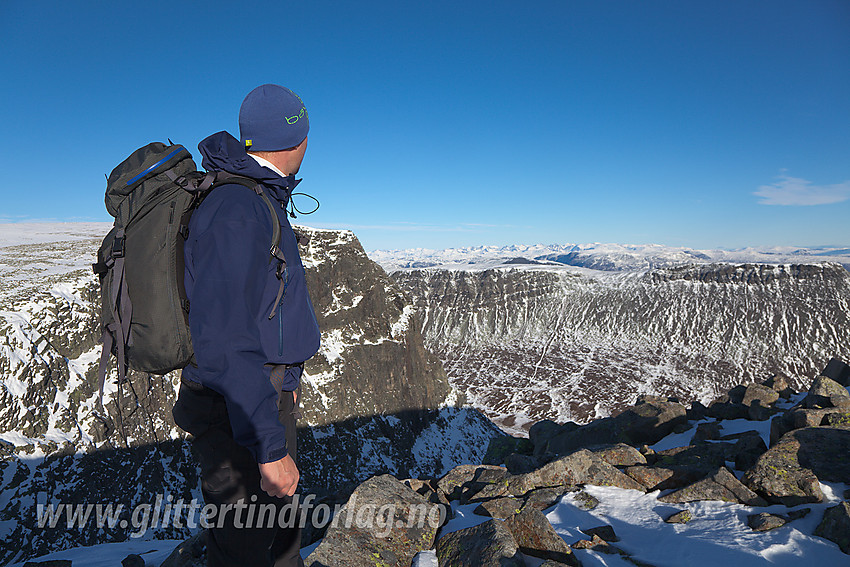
293,209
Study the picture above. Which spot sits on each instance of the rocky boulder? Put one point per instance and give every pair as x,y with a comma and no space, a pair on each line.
490,544
536,537
835,526
788,473
649,421
580,467
826,393
722,485
383,522
838,371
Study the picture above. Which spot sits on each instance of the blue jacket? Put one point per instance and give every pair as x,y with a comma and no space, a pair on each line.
231,284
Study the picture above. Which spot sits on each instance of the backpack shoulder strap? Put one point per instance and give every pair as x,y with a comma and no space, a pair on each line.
275,251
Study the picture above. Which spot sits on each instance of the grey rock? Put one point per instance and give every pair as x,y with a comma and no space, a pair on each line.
827,393
500,447
543,498
486,484
580,467
490,544
779,383
501,508
647,422
839,371
682,517
585,501
723,485
837,418
735,395
542,431
461,478
747,449
535,536
728,410
596,543
798,514
619,455
649,454
605,532
697,411
765,522
663,478
706,431
702,458
428,489
835,526
757,393
796,419
519,464
374,525
757,412
790,471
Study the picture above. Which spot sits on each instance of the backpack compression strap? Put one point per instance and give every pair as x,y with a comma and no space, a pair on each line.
117,332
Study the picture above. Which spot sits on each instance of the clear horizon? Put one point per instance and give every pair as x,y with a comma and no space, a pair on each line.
451,125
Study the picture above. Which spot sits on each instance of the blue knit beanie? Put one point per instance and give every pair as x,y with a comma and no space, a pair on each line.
272,118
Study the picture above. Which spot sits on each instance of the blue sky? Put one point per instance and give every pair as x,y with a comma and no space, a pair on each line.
443,124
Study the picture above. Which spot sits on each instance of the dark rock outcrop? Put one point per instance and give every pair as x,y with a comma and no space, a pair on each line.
722,485
647,422
789,472
383,522
835,526
536,537
490,544
580,467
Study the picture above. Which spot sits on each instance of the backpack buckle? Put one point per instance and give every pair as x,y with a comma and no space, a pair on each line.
118,247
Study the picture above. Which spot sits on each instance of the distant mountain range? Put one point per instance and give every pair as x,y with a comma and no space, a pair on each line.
597,256
574,332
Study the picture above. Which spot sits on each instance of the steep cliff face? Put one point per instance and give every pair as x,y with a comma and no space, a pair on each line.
374,399
372,360
573,344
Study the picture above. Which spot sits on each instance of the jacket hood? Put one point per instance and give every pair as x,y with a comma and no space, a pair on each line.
222,152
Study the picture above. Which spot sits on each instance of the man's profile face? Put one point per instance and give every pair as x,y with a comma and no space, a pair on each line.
298,154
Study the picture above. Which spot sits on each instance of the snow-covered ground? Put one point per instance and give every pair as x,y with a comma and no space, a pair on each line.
13,234
718,534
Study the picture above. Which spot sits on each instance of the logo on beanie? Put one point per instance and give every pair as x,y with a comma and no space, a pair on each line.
293,119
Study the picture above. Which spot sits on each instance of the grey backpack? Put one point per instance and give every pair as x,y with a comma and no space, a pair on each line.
144,309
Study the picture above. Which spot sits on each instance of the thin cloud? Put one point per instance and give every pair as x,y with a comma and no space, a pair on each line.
795,191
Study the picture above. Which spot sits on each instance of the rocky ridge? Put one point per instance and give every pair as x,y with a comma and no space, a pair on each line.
374,400
527,343
521,479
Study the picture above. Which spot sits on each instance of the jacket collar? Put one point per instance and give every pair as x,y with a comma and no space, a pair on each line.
222,152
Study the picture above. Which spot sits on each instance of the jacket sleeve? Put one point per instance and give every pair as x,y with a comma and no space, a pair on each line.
230,262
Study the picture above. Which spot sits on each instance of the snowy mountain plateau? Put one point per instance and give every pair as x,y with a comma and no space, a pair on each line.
374,400
570,333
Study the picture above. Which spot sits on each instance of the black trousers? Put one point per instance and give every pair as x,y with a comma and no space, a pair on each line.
230,480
